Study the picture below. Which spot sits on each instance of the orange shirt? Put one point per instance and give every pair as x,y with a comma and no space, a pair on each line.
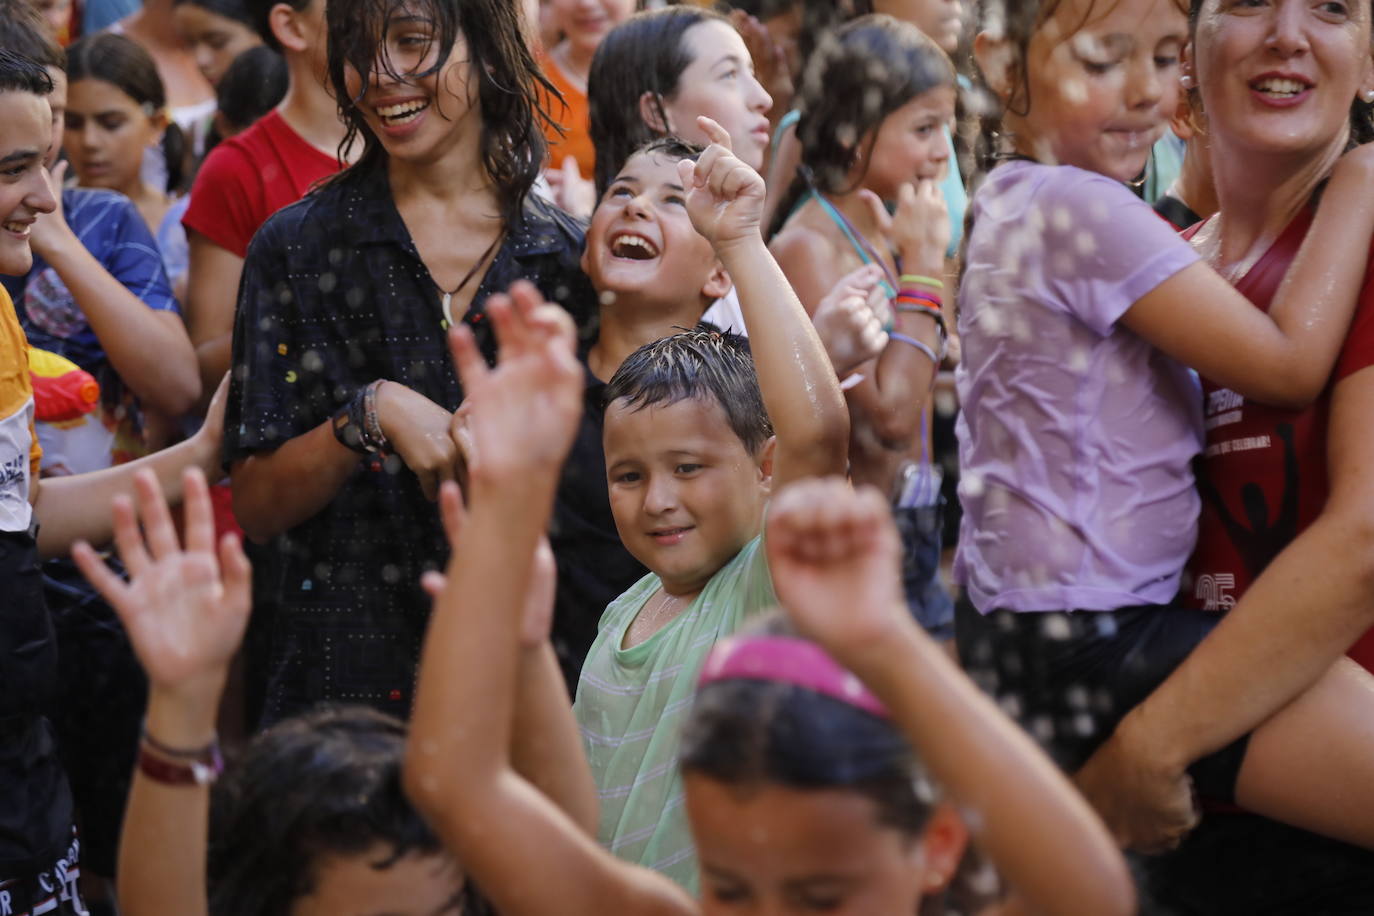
572,113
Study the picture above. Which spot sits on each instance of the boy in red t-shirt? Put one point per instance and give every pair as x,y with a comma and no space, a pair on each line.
253,175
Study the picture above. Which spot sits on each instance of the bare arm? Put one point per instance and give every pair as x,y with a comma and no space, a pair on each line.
834,555
276,491
1308,607
212,291
1285,357
546,748
69,509
800,391
148,349
185,612
782,169
521,420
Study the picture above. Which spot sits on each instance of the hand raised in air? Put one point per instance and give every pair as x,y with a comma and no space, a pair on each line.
521,415
835,559
185,608
724,196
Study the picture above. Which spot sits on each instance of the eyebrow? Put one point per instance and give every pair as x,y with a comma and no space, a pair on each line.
20,156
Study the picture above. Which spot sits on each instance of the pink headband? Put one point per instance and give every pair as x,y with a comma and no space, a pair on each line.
787,660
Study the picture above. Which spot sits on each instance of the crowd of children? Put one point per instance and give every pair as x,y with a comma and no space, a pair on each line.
512,473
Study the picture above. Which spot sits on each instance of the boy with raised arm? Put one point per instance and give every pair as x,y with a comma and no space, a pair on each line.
697,435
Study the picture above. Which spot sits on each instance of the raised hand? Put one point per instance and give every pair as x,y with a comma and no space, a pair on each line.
519,417
850,319
919,229
537,617
724,196
835,558
185,609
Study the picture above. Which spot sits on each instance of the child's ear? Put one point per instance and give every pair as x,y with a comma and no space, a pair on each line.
942,847
282,19
996,58
766,455
654,115
718,283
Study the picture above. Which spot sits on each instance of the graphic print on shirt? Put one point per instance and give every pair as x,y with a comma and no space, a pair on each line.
1259,538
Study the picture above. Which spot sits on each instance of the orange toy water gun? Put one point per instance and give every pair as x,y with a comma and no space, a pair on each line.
62,390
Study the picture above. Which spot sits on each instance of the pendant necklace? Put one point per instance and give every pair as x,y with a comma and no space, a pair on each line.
446,302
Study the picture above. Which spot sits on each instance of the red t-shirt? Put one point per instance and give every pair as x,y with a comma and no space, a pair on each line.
247,178
1263,479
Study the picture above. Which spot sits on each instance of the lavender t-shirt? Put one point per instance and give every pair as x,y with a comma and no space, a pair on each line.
1076,435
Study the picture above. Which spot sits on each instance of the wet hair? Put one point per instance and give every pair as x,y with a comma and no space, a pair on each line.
260,17
859,75
705,365
23,74
1361,112
671,148
125,65
508,83
645,53
327,783
237,10
747,734
252,86
22,32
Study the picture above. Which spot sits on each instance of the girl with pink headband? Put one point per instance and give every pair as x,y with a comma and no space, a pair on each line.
803,787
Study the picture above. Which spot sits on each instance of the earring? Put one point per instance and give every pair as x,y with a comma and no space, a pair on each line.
1368,97
1186,81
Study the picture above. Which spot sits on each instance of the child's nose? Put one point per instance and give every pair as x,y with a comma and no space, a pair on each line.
660,496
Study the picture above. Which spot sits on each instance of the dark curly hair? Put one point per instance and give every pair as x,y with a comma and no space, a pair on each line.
322,784
509,84
858,75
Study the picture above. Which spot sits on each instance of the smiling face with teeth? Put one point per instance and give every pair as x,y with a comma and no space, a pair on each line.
25,135
419,108
1280,77
1101,83
641,245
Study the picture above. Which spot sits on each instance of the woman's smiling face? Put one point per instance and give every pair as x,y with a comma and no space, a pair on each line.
418,106
1279,76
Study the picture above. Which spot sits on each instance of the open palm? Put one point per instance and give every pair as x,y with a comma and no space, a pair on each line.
185,609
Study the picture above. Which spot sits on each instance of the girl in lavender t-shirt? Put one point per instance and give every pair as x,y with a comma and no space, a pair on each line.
1079,313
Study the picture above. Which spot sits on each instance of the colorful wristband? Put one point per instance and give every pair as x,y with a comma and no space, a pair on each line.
919,308
913,342
921,280
920,295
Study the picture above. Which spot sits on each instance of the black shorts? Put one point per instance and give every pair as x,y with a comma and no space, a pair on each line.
1070,676
926,597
